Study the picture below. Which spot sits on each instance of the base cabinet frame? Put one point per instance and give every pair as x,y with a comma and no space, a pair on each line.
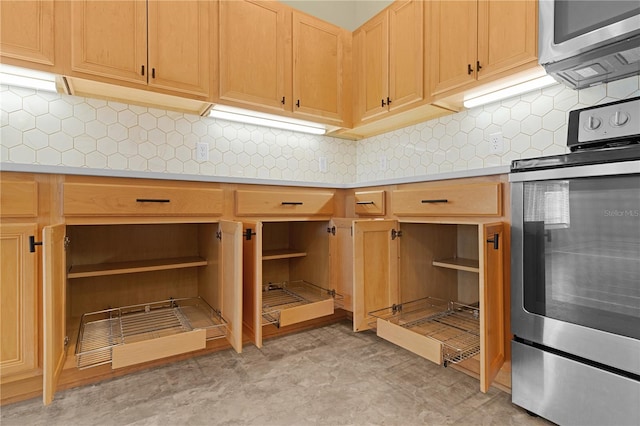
92,265
401,265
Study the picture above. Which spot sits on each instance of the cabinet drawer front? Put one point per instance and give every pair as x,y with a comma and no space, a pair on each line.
483,199
270,203
306,312
424,346
19,199
83,199
162,347
369,202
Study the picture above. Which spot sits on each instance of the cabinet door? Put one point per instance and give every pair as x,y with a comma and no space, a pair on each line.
179,46
53,307
27,31
109,39
251,281
230,270
492,353
341,260
453,35
18,292
255,54
371,47
318,56
375,269
406,53
507,35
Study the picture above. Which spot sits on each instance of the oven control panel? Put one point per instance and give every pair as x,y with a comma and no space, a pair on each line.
614,121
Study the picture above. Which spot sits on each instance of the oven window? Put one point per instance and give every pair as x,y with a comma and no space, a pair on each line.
573,18
582,252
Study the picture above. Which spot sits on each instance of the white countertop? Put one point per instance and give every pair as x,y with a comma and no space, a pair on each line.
35,168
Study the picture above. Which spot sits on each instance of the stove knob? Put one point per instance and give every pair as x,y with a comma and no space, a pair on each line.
593,123
620,118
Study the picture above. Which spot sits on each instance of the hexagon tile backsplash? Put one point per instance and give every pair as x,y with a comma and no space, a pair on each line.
50,129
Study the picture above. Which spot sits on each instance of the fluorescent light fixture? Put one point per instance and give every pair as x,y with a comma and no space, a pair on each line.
240,115
31,79
509,92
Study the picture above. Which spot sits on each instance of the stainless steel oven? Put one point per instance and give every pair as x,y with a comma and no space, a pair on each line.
585,42
575,307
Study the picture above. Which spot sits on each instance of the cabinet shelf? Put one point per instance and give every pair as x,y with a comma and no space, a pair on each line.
282,254
115,268
459,263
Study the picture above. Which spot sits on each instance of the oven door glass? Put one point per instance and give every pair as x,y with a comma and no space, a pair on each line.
582,251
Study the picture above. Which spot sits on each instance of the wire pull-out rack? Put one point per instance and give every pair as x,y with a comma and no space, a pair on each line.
287,303
100,332
454,326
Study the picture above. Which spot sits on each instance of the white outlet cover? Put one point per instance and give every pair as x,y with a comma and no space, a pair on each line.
496,144
202,151
322,164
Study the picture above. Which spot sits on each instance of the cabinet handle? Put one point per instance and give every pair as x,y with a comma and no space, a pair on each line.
469,69
435,201
382,104
478,67
388,101
495,240
291,203
153,73
152,200
33,243
364,202
298,103
282,100
142,70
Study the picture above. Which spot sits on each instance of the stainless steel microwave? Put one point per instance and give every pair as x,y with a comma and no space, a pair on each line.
583,43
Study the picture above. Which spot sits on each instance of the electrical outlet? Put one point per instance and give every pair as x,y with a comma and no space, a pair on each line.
202,151
322,164
383,163
496,144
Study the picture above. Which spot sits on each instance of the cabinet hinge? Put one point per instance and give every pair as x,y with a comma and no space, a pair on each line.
67,242
66,341
219,235
396,308
395,234
248,233
331,230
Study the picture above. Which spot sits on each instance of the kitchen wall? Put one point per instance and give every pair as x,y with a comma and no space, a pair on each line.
48,129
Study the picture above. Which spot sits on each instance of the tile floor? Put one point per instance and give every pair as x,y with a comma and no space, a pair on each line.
326,376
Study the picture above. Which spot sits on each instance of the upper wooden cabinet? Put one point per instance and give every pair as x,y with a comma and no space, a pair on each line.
276,60
389,55
319,56
472,42
254,54
164,45
28,34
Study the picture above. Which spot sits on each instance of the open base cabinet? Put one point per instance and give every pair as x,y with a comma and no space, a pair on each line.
287,274
126,294
434,288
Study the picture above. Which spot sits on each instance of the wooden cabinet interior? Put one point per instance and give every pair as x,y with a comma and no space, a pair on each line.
291,280
412,275
168,287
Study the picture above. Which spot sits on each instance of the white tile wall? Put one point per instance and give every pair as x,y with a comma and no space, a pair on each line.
58,130
532,125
